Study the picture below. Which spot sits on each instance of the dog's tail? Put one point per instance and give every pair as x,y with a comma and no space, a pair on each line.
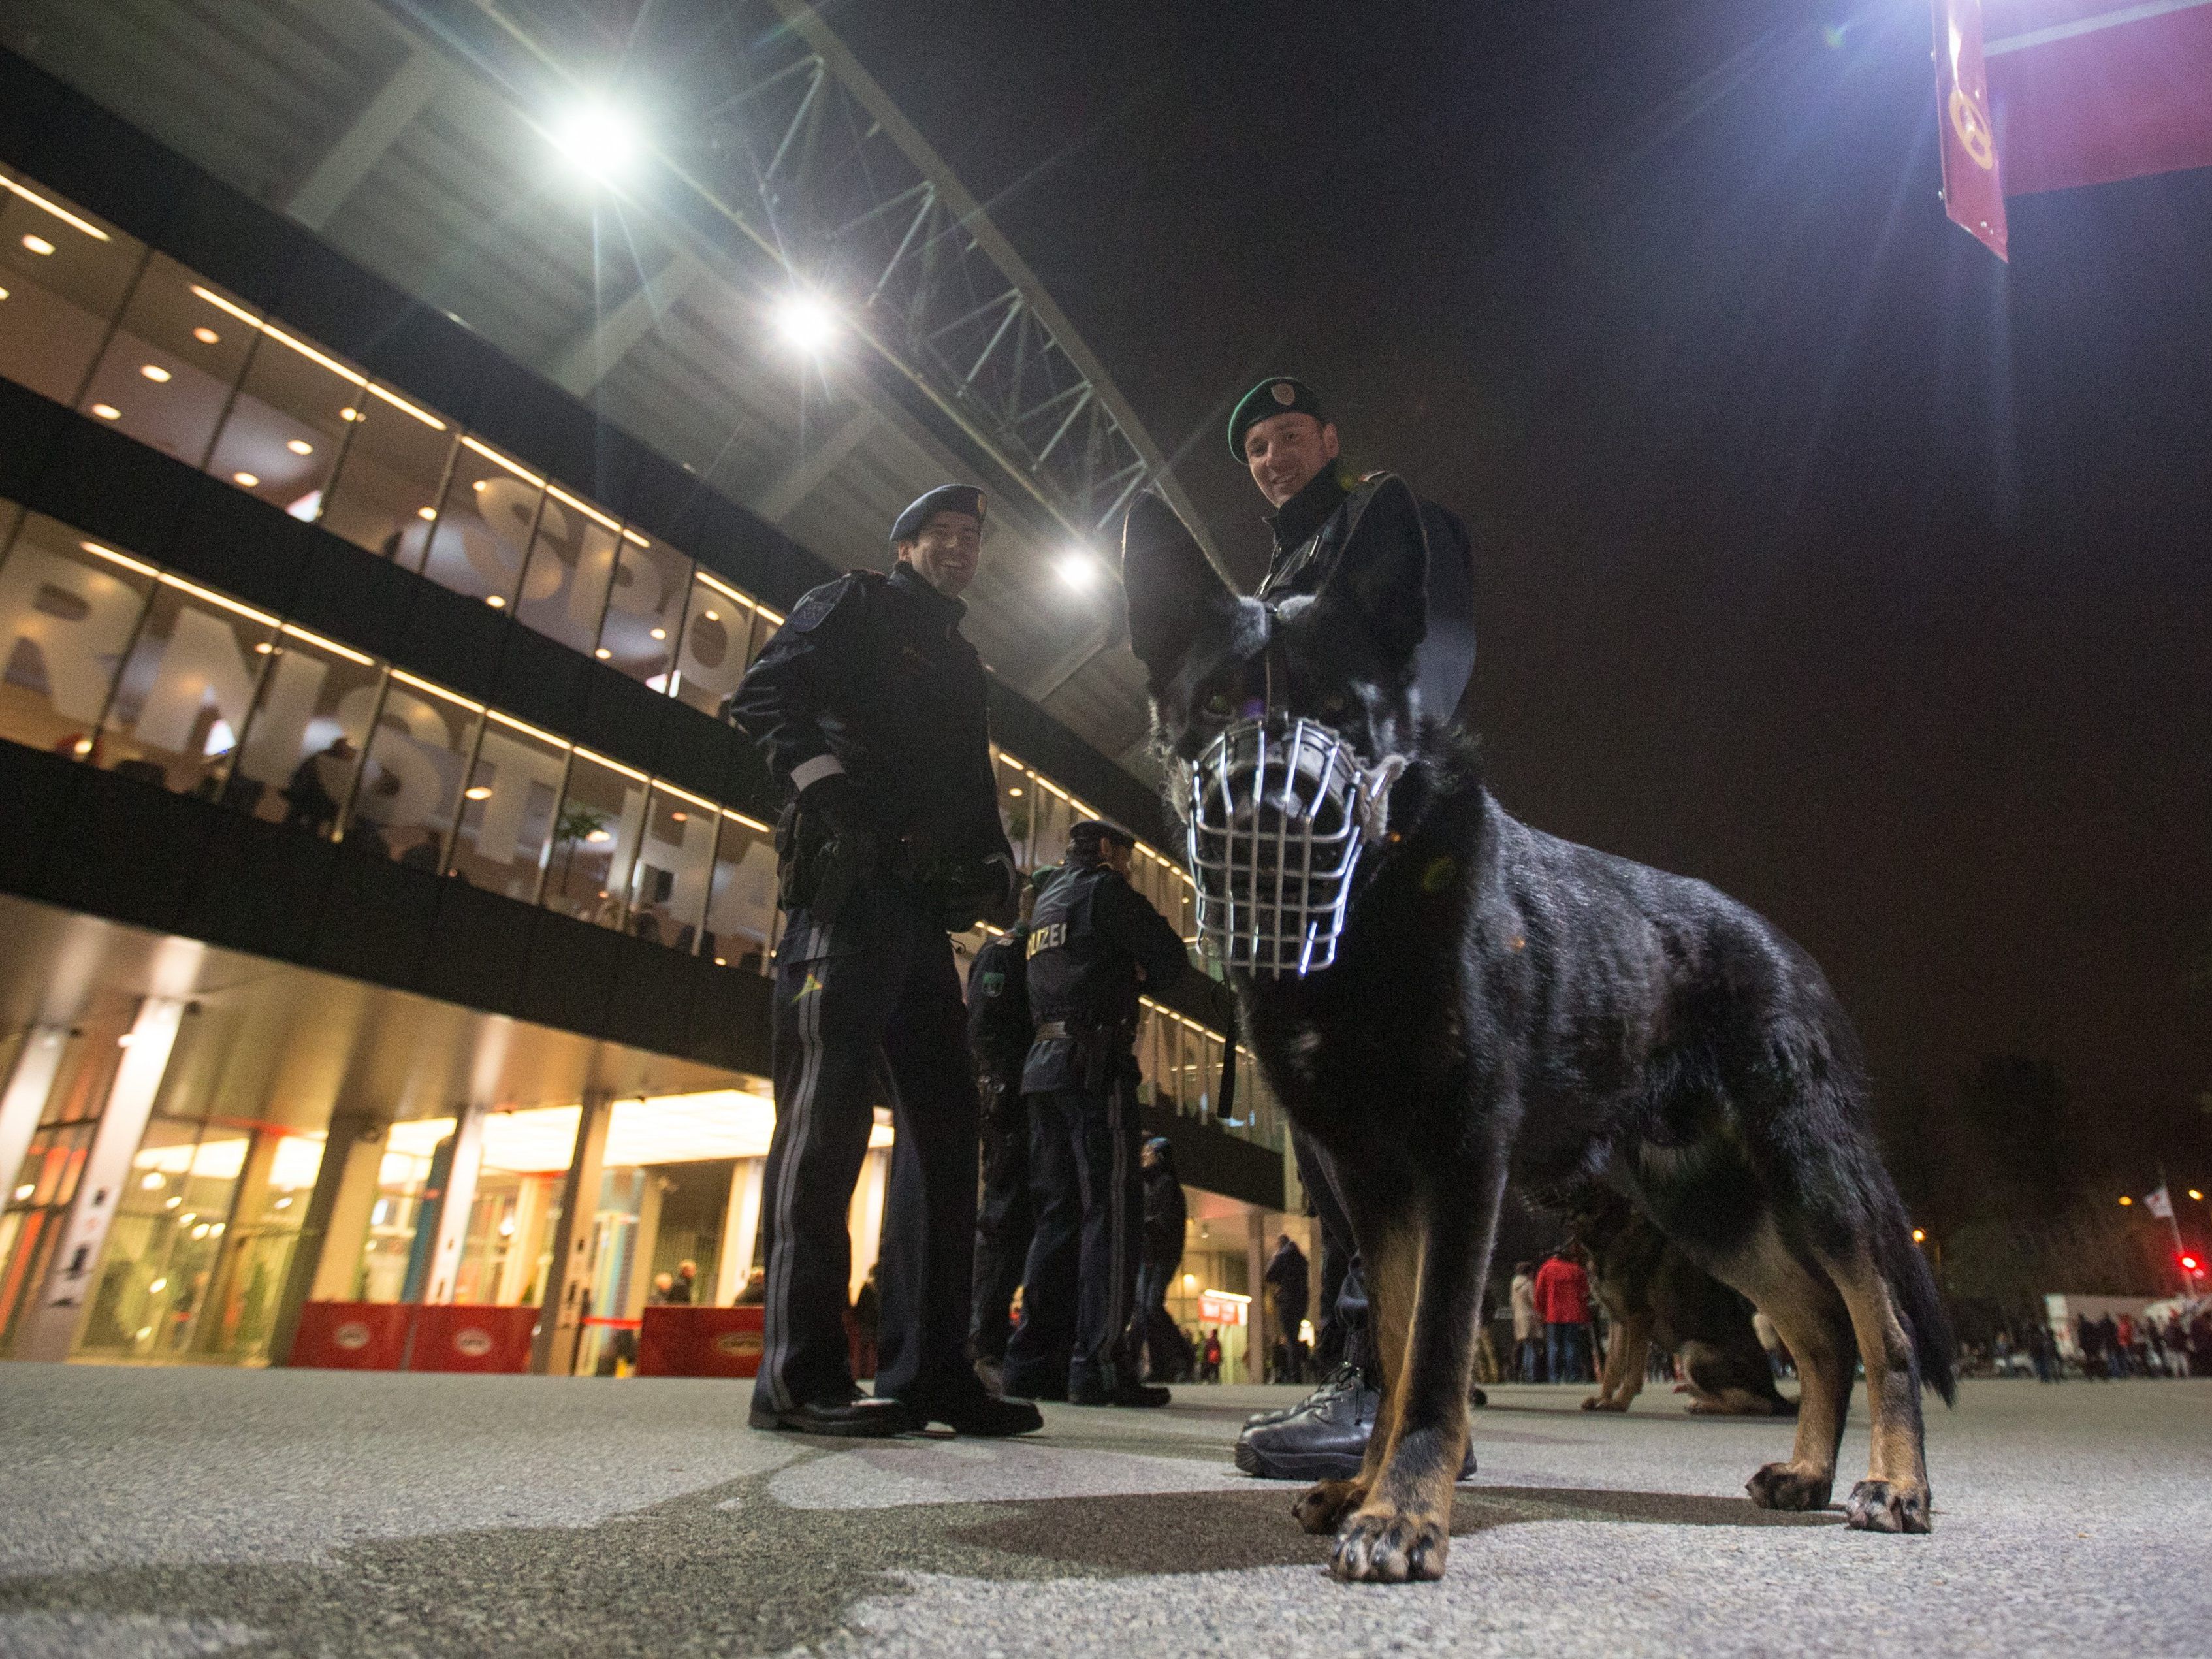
1913,1285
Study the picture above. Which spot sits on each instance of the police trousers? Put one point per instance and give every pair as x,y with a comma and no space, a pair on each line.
1005,1220
1079,1289
1342,1336
874,998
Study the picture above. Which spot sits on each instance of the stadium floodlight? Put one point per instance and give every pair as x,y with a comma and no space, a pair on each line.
807,321
602,140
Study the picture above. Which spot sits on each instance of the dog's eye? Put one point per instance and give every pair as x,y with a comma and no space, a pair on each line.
1217,705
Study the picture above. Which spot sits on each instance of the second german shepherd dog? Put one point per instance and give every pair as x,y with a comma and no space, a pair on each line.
1502,1002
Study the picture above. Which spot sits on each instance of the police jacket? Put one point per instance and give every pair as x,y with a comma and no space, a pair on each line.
1089,935
999,1030
1311,531
870,676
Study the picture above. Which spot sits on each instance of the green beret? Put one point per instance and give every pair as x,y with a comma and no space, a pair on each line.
945,498
1279,395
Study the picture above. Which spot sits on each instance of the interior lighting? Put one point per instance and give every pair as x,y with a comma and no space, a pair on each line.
2194,1194
1190,1281
157,1286
603,653
1015,790
507,1226
495,601
24,1191
426,513
2125,1201
661,633
349,414
599,835
247,479
206,336
604,140
1079,571
216,1232
152,1183
39,245
125,1040
200,1232
806,321
156,374
481,791
678,818
712,616
300,446
283,1204
172,1204
1919,1236
721,962
108,411
264,649
3,293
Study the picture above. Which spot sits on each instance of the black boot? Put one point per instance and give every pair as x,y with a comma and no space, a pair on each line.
973,1411
1343,1377
1326,1441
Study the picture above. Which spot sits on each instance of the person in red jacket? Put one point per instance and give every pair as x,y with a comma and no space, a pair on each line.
1563,1300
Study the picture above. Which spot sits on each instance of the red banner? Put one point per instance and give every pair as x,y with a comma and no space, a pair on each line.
1972,195
2090,91
352,1336
460,1337
681,1341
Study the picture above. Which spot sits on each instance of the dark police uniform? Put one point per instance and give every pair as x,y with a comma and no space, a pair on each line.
869,706
1000,1030
1090,933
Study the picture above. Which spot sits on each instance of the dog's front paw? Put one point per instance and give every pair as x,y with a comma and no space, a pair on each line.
1390,1547
1321,1506
1786,1486
1880,1506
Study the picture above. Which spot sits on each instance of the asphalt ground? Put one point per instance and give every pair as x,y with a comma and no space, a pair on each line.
184,1511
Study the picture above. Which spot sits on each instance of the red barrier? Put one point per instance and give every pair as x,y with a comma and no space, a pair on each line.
459,1337
352,1336
680,1341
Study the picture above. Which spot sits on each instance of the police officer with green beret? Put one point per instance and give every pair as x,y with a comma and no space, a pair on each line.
1282,433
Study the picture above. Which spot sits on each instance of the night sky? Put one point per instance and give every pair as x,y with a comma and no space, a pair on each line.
1819,554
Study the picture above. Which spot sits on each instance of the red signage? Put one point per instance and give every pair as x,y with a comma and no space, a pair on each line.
681,1341
352,1336
460,1337
2089,91
1222,1307
1972,195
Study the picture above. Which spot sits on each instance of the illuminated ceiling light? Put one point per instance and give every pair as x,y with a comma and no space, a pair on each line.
1079,570
495,601
660,633
2195,1195
3,293
480,484
712,616
264,649
602,140
108,411
807,321
349,414
1015,791
678,818
300,446
282,1204
2125,1201
158,1286
206,336
128,1038
24,1191
1919,1236
598,835
603,653
721,962
246,479
39,245
481,791
173,1203
155,373
153,1180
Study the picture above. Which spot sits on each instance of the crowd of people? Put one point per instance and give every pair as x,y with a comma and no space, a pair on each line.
2110,1347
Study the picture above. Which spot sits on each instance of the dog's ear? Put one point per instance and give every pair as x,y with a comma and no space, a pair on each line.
1381,576
1171,591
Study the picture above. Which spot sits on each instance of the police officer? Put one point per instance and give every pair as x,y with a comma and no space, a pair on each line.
1282,433
869,707
1000,1030
1094,939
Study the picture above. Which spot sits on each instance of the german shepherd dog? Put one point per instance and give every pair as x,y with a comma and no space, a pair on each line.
1652,1292
1498,1002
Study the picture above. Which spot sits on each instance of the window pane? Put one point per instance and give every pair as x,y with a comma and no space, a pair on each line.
595,839
186,691
645,612
714,641
741,920
287,422
390,478
564,588
675,862
1015,807
67,616
296,766
168,370
65,277
411,779
484,525
507,813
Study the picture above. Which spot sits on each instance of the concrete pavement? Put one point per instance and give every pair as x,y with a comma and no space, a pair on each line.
181,1511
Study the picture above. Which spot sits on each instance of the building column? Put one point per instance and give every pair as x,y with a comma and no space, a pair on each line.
569,1281
740,1230
50,1328
454,1205
23,1102
1259,1341
327,1258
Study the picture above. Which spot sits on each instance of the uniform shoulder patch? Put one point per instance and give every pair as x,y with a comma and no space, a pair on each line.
817,605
